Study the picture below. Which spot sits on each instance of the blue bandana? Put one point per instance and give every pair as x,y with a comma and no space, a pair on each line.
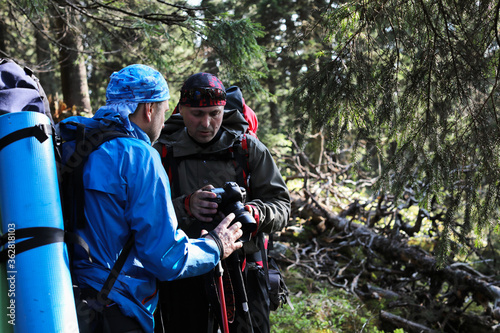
132,85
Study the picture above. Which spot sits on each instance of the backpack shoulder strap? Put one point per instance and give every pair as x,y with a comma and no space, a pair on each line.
85,144
241,161
238,152
73,209
115,271
170,164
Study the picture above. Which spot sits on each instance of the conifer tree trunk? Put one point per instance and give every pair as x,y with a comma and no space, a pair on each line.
273,107
45,65
73,72
2,39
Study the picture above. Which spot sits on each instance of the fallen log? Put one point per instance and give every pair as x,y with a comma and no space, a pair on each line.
463,286
395,249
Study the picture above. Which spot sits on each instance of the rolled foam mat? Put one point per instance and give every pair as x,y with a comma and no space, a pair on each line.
38,279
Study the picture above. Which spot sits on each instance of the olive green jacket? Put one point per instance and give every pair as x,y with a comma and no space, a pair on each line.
266,189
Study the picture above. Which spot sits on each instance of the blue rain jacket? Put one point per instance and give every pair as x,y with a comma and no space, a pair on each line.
127,191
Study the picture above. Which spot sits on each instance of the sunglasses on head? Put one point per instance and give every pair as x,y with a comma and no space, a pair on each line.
197,94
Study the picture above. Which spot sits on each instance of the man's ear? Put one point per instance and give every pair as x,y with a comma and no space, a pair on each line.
148,112
143,114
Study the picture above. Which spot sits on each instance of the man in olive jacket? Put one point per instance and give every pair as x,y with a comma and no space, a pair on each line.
203,147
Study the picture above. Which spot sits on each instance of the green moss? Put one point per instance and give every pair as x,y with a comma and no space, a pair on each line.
319,307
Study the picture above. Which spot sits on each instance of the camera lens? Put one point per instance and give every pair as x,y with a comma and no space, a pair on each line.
230,199
248,224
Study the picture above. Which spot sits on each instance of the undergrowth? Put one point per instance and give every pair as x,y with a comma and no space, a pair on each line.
320,307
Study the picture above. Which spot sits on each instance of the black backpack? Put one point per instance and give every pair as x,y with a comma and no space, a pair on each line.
73,193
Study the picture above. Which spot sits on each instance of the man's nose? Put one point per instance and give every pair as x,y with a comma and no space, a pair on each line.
205,121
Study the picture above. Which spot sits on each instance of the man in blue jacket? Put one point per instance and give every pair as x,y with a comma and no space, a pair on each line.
126,191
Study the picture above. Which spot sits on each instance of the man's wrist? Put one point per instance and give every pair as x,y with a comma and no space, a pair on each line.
255,214
213,235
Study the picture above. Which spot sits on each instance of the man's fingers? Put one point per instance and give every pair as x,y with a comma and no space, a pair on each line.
239,233
236,225
227,220
202,199
201,208
236,231
237,246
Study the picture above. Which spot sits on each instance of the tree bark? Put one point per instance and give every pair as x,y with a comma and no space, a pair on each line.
273,107
3,36
408,325
45,68
396,250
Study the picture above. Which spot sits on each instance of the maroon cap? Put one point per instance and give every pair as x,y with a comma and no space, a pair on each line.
203,89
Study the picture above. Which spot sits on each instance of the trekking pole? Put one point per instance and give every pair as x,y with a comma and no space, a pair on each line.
222,299
239,285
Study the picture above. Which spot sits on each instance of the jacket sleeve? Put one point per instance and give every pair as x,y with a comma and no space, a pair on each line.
269,193
162,248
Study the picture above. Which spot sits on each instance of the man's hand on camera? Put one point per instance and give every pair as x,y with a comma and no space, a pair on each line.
227,236
199,205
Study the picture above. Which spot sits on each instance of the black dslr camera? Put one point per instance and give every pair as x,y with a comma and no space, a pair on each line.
230,199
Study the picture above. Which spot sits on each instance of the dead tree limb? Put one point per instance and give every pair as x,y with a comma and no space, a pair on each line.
394,249
409,326
365,250
452,286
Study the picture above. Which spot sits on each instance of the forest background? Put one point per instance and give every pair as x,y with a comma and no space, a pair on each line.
382,115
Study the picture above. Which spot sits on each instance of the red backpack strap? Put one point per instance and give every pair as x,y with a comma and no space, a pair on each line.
163,154
170,165
241,161
244,144
164,162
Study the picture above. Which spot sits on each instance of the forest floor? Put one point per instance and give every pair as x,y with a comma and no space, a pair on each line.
320,307
359,260
359,278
